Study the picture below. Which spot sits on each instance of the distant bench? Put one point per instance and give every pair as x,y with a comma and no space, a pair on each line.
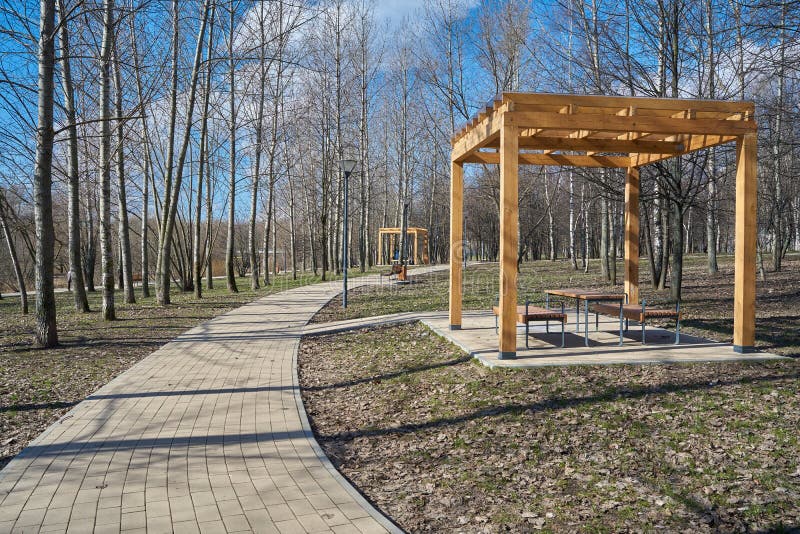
396,270
528,313
641,314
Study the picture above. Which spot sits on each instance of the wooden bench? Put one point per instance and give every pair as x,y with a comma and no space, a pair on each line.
640,313
397,269
528,313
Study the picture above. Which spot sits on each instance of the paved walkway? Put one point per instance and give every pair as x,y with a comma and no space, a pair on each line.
207,434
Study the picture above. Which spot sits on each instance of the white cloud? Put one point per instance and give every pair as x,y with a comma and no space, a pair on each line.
394,11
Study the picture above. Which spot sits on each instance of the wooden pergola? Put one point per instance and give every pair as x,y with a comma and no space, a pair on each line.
392,237
601,131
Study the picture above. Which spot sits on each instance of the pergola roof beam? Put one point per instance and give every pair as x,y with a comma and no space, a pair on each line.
553,159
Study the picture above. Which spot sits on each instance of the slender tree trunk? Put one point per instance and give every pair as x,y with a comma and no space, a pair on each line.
677,252
573,252
665,245
551,230
612,246
147,166
777,226
711,216
106,245
162,274
89,256
604,234
126,259
172,190
197,256
229,251
73,215
209,226
12,253
259,131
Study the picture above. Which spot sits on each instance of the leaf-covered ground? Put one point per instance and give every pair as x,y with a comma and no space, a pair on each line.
38,386
707,301
443,444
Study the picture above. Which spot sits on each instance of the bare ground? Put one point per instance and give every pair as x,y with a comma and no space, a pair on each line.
442,444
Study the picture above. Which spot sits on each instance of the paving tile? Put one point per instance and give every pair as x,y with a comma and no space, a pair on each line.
236,523
212,527
107,516
59,528
134,520
80,526
352,510
159,525
368,525
280,512
291,526
108,528
55,516
31,517
333,517
313,523
301,507
186,527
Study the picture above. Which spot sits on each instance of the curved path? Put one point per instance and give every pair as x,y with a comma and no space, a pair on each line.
207,434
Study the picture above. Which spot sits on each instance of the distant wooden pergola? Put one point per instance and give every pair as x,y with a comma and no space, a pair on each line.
601,131
392,237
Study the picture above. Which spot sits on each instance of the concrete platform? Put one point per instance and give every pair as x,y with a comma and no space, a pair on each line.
477,337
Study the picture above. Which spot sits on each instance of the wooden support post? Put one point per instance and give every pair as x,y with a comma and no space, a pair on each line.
456,242
509,237
744,296
632,235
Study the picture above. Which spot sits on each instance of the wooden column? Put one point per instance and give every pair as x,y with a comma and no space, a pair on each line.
744,296
509,238
456,242
632,235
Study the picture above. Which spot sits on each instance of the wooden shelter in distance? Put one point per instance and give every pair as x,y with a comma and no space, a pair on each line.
389,241
601,131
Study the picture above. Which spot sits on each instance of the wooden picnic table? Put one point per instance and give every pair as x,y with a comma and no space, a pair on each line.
588,296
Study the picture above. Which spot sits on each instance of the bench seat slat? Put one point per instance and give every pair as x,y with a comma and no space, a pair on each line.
634,312
535,313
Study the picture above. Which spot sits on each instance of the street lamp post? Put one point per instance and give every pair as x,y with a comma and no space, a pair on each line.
346,166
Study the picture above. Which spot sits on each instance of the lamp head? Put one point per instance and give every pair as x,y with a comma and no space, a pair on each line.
347,165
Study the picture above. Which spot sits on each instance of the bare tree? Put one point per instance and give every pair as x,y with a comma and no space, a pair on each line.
229,250
12,253
126,258
73,214
106,246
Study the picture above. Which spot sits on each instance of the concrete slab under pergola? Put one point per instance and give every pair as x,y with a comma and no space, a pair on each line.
601,131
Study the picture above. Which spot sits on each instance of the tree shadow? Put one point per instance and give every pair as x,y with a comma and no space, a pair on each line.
556,403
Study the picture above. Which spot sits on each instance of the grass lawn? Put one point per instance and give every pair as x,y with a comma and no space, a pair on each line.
707,302
38,386
441,443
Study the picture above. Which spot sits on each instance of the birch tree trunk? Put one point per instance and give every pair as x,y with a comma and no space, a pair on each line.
73,211
259,131
197,254
122,198
12,253
106,245
172,190
230,275
147,166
